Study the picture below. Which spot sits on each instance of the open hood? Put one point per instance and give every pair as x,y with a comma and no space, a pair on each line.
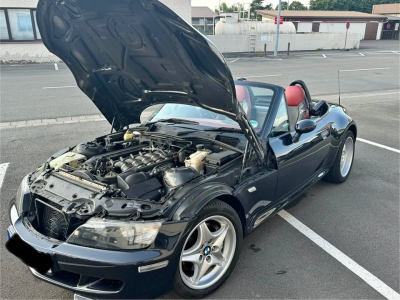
127,55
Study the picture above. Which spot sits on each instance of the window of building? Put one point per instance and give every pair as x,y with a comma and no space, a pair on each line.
18,24
3,26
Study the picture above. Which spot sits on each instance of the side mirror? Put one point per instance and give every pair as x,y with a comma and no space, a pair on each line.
303,126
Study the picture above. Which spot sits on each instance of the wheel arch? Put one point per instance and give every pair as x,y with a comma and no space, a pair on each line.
199,197
353,129
237,206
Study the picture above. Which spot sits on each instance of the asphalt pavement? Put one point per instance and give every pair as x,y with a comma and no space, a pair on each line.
360,217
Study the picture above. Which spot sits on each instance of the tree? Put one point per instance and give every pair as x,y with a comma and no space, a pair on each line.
348,5
225,8
268,7
297,5
258,5
283,6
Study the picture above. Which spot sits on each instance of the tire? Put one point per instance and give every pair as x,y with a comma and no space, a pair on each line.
340,172
221,217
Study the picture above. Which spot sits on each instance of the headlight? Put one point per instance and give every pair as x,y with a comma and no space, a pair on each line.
22,191
115,234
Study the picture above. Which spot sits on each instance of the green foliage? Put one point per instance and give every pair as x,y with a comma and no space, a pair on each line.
297,5
258,5
347,5
283,6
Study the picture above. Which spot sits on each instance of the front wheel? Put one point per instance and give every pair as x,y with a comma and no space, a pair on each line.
210,252
343,163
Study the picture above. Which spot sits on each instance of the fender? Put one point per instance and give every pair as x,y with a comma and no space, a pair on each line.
194,199
339,128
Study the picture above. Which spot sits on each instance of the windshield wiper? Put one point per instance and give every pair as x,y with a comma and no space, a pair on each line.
227,129
174,121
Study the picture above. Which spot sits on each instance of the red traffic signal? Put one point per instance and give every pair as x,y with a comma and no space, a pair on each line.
276,20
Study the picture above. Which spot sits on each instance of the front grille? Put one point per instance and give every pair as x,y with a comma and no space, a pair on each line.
228,140
53,222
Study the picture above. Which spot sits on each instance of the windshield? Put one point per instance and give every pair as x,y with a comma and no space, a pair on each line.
255,101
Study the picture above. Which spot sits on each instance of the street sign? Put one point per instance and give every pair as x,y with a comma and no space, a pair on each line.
347,29
276,20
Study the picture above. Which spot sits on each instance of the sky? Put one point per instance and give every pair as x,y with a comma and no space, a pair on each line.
214,3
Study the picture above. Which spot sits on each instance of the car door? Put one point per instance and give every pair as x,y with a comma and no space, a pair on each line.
298,160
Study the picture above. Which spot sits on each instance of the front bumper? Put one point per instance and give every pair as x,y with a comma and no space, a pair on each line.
106,274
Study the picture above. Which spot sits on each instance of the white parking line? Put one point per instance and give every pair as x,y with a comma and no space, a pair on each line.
356,70
324,55
368,277
3,169
59,87
259,76
235,60
379,145
361,54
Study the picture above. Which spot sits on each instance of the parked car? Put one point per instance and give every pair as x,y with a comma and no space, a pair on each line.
167,203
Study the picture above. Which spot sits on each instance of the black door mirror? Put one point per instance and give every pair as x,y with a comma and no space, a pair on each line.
304,126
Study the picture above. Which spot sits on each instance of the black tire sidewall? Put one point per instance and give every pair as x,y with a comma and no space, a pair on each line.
213,208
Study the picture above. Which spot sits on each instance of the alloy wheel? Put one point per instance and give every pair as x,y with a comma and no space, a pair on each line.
346,158
208,252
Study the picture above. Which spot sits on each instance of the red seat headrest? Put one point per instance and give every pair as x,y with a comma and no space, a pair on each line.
295,95
242,93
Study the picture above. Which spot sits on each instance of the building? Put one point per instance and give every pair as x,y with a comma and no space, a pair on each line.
387,9
20,38
203,19
390,29
368,26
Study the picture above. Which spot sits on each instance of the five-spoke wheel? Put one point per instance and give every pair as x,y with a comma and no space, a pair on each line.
210,251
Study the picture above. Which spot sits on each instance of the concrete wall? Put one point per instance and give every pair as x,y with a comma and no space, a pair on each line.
311,41
357,28
379,33
25,53
304,27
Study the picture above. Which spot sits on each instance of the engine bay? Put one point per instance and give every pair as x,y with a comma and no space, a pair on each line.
142,166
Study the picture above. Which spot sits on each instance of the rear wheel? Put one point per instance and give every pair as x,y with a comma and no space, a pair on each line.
343,163
210,252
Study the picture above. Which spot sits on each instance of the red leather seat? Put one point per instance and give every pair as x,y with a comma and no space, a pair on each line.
243,96
297,104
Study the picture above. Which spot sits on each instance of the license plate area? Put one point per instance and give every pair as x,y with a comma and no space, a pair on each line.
41,262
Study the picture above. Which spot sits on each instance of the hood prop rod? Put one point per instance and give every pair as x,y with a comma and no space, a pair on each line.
246,150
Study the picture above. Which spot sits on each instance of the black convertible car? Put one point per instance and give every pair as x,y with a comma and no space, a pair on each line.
165,204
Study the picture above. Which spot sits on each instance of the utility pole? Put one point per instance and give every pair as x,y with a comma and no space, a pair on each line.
287,7
278,22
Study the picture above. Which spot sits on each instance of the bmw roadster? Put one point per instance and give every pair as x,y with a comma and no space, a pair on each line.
167,203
